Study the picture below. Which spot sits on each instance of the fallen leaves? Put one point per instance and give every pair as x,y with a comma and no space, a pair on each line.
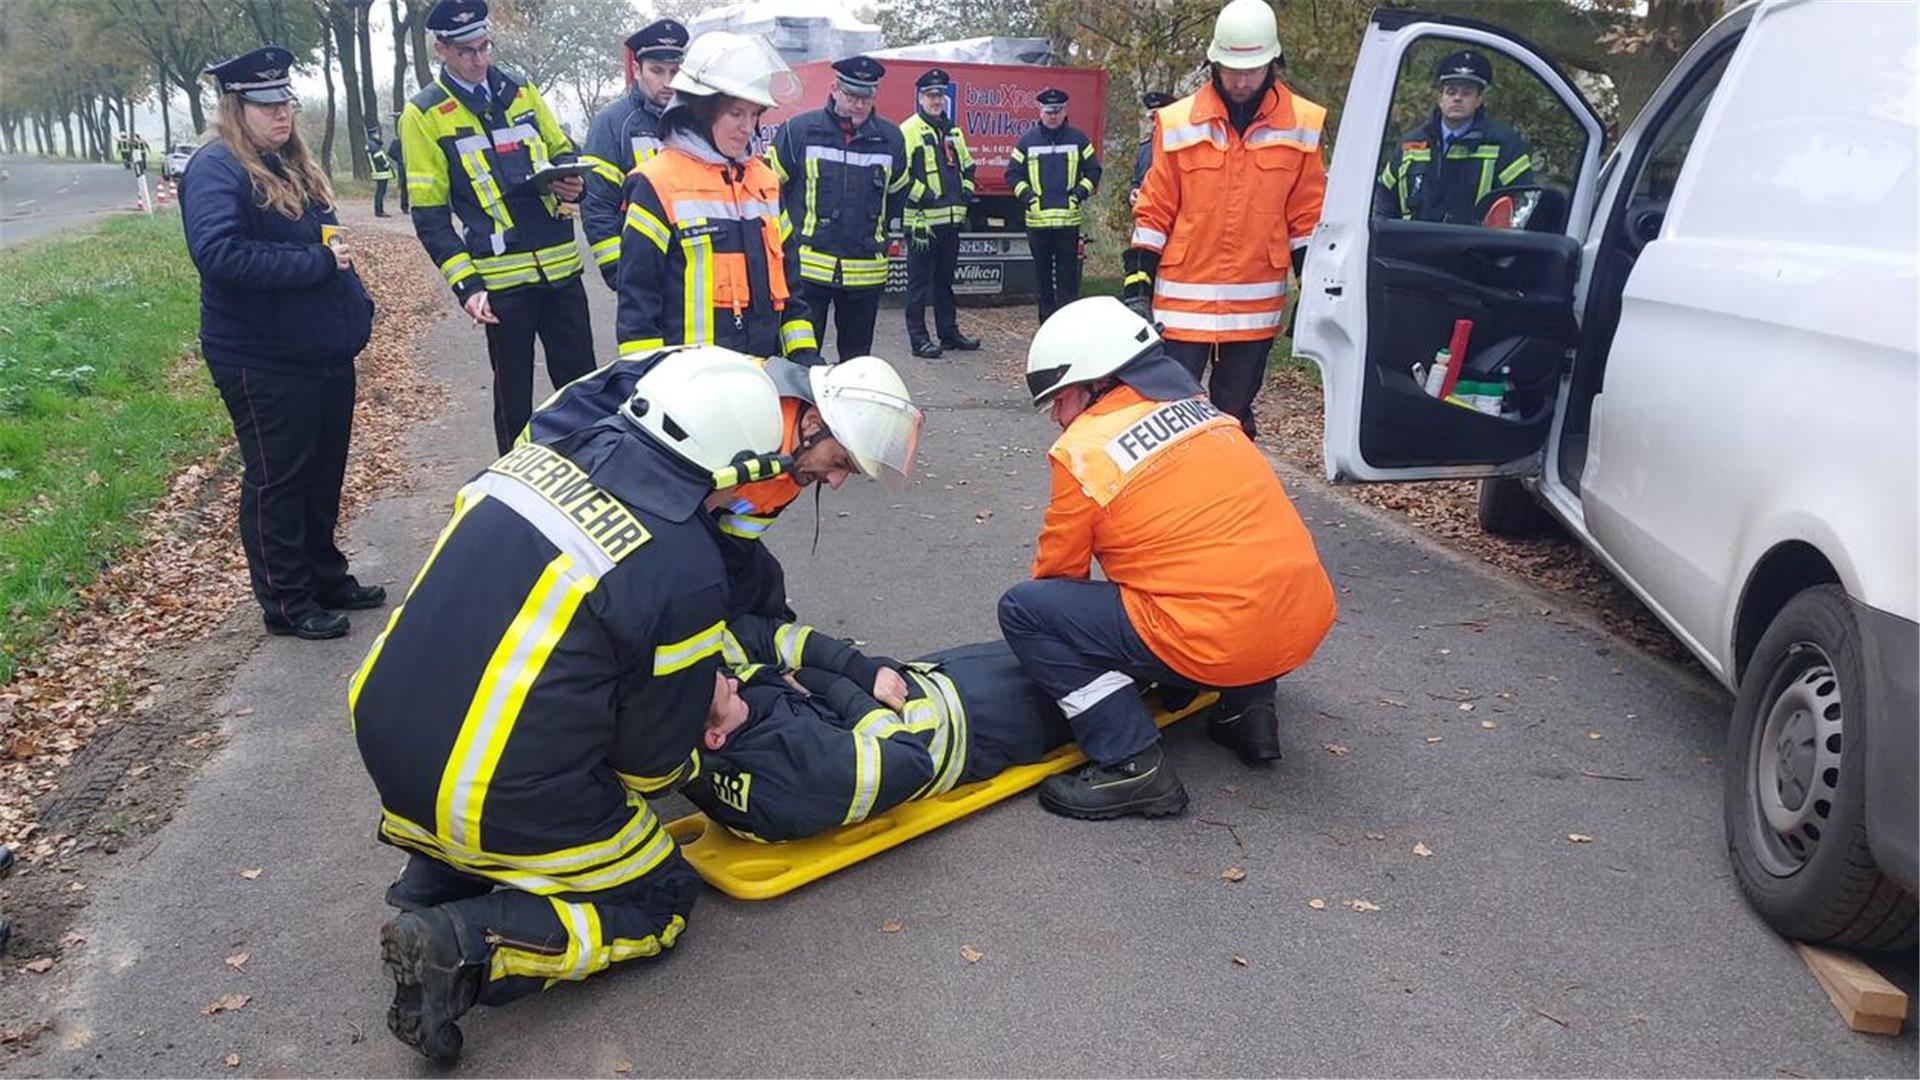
232,1061
889,926
1239,961
1336,749
1579,838
1488,725
40,966
1376,836
252,873
1423,851
239,960
971,955
226,1003
1233,873
1317,904
1363,906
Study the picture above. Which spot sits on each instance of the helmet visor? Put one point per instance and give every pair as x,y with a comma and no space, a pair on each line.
879,430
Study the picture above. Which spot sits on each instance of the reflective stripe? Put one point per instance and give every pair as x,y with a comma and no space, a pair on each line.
731,651
812,220
639,847
642,221
1303,138
716,209
1250,290
458,268
651,945
847,157
1148,238
745,526
1185,135
683,654
1094,692
552,523
641,345
1513,172
866,783
797,334
1052,148
790,640
496,703
1191,320
696,315
648,785
606,251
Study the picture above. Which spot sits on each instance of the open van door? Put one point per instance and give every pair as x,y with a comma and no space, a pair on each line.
1391,273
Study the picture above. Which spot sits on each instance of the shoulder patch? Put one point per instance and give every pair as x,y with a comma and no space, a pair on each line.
1414,144
429,95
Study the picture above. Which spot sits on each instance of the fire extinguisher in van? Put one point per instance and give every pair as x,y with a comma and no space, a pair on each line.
1438,379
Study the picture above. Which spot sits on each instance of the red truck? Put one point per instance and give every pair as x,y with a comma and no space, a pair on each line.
994,103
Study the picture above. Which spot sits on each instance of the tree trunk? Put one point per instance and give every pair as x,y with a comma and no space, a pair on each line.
341,18
363,34
326,138
166,112
417,33
66,129
195,109
399,57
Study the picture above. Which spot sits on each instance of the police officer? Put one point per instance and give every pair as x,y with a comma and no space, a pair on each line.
939,187
382,172
282,316
1053,170
1150,102
1441,170
627,133
474,138
842,170
514,730
1211,579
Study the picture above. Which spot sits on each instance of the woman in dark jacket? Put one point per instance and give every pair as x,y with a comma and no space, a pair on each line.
282,316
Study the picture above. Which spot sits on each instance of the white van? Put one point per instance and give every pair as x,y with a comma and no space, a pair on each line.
1700,357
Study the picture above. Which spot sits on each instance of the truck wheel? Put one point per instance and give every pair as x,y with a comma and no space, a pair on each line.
1510,510
1795,784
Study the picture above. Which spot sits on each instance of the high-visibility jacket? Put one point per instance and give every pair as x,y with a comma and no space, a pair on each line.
939,172
1217,573
1224,210
513,730
381,166
841,187
702,260
1053,172
1488,154
476,163
621,139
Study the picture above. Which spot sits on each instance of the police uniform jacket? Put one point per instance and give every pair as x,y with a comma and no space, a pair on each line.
1053,172
622,137
271,295
1423,182
552,665
841,187
939,171
702,259
473,165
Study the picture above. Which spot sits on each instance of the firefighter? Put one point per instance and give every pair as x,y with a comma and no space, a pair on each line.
514,731
125,148
843,171
702,255
138,155
1226,210
382,172
825,736
627,133
399,160
1150,102
939,188
1053,170
854,417
473,138
1211,580
1477,153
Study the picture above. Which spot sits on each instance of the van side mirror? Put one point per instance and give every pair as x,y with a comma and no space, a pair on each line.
1528,207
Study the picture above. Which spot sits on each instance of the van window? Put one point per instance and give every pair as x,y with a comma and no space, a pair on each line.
1818,127
1660,170
1453,142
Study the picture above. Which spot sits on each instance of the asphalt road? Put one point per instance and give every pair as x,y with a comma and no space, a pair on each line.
1109,949
41,195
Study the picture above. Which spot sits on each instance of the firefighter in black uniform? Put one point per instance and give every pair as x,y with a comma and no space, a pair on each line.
514,730
395,155
1150,102
282,317
380,168
939,188
1441,170
842,170
474,138
1054,170
627,133
860,735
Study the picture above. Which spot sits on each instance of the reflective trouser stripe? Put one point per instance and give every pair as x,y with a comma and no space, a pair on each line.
1086,697
587,951
634,851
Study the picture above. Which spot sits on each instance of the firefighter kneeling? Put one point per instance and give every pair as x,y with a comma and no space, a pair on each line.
552,666
1212,579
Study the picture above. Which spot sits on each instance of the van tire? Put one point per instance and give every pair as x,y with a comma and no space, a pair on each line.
1809,874
1508,509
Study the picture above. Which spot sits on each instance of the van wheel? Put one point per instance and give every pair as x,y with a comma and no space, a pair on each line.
1510,510
1795,784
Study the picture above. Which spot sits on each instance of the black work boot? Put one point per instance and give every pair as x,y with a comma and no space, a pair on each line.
355,597
927,350
1251,731
432,987
318,626
1143,784
960,343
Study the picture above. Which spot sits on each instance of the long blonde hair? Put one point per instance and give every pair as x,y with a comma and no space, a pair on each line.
287,194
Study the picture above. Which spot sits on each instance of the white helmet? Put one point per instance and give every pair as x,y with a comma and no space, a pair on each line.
709,406
1244,36
1088,339
739,65
866,406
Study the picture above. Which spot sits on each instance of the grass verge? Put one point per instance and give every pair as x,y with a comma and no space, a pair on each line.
101,399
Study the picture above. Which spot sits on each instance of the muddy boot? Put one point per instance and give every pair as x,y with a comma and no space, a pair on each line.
1143,784
432,987
1252,732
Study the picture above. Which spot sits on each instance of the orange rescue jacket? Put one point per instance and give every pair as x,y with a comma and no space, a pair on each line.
1217,572
1224,210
